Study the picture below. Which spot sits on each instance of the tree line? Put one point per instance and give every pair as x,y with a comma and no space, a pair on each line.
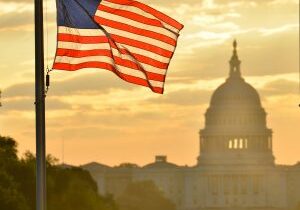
69,188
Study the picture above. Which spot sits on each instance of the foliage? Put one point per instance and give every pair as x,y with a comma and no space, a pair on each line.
8,149
67,188
74,188
143,196
10,197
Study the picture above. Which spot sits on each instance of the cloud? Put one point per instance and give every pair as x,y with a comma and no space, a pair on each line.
19,90
258,2
284,28
19,15
280,87
17,1
260,55
27,104
12,20
184,97
90,83
15,6
281,2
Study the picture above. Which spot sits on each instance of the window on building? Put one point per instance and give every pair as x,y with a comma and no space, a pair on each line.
230,144
235,181
235,146
244,184
215,185
226,184
241,145
270,143
255,184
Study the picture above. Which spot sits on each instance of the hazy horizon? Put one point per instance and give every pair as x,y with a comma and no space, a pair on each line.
105,120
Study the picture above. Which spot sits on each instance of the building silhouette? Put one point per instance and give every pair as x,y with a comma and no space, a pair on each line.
235,169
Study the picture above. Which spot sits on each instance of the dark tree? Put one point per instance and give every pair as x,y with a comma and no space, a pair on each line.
8,149
143,196
74,189
10,196
67,188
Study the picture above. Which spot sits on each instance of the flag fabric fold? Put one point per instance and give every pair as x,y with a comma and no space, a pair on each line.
127,37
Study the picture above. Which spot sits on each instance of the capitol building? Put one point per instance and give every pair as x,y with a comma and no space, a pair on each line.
236,167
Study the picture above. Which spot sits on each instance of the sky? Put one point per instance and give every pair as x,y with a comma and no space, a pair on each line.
94,116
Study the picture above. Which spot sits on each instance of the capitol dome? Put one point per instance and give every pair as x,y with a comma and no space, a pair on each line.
235,91
235,129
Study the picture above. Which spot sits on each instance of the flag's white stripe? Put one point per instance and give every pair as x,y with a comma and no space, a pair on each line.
105,59
140,38
139,51
81,32
147,67
134,9
81,46
137,24
126,7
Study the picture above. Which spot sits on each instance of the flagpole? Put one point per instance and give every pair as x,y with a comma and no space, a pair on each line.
40,107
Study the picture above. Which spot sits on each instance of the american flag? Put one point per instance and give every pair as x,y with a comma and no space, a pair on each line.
127,37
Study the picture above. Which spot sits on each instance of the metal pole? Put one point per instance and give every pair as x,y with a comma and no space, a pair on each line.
40,108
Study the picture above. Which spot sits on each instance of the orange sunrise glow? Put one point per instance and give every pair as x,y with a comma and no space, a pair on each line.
95,116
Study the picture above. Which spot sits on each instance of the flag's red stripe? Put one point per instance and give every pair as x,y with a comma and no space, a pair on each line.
82,53
130,15
82,39
96,52
75,67
142,45
117,38
132,65
150,10
102,65
135,30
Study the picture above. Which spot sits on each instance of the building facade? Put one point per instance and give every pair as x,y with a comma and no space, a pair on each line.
236,168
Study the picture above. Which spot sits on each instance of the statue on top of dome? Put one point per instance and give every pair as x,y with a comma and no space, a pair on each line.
235,63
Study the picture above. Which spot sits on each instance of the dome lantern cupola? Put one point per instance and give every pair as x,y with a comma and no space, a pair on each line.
235,63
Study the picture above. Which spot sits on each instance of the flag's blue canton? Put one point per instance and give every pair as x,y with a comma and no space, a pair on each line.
77,13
